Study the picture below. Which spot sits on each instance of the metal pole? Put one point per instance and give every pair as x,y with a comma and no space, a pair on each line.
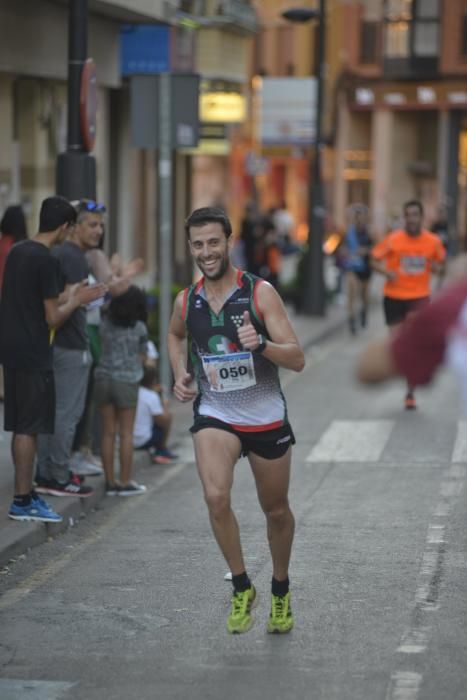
165,223
314,296
77,55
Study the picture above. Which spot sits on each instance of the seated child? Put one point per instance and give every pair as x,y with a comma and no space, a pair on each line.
153,419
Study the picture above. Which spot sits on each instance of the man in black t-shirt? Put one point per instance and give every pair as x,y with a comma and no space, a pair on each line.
31,304
71,362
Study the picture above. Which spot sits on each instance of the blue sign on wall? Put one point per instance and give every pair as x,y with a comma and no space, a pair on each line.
144,48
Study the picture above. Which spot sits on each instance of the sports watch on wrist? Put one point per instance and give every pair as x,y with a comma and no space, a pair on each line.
261,343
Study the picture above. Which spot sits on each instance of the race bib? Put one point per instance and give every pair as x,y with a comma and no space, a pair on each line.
413,264
229,372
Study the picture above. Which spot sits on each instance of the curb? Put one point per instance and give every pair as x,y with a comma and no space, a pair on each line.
18,538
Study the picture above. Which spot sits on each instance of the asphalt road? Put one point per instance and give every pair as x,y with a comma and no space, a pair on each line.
132,603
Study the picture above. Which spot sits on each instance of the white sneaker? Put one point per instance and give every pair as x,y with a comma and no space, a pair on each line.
131,489
79,465
90,457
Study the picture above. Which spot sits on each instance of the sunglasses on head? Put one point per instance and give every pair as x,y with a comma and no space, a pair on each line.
88,205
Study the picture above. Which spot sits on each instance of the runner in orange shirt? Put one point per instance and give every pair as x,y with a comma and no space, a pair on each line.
407,258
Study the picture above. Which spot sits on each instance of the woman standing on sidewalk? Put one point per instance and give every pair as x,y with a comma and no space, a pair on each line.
123,337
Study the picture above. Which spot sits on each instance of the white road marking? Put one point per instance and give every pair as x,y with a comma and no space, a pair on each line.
12,689
459,453
405,685
352,441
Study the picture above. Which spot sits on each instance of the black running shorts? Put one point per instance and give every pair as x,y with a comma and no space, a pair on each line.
395,310
269,444
29,401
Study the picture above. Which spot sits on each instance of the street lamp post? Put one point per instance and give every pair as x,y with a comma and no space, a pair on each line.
314,295
76,167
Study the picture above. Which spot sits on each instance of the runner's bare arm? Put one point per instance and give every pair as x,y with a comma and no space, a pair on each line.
176,345
380,266
283,349
438,268
376,363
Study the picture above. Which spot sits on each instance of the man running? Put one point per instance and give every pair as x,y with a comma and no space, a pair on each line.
239,334
407,257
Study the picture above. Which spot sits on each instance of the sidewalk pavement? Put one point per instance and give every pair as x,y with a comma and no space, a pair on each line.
17,537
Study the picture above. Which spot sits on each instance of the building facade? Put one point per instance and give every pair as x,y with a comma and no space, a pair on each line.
402,111
206,36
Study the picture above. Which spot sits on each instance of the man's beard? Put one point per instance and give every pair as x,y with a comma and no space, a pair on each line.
221,272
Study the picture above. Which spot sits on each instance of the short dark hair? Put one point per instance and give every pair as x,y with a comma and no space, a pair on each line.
413,203
13,223
128,308
150,377
207,215
55,211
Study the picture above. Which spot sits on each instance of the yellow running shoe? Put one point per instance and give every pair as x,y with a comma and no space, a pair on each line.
281,618
240,619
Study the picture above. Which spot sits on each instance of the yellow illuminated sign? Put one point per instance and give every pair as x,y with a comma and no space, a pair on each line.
222,107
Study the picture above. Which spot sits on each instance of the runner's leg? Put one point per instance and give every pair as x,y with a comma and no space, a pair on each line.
352,290
364,291
272,478
409,400
217,452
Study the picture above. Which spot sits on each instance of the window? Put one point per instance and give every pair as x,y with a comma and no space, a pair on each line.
398,17
426,29
426,39
372,10
398,10
411,29
427,9
369,42
397,43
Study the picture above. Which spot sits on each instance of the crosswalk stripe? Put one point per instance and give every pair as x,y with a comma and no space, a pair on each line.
12,689
459,453
352,441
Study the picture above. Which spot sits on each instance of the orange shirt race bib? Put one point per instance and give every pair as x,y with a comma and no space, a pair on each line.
410,258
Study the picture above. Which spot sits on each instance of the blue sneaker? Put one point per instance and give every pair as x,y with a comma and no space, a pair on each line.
38,510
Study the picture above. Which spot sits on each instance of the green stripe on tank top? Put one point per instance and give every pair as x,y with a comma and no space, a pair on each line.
217,320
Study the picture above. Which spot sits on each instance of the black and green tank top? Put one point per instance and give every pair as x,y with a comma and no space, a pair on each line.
238,387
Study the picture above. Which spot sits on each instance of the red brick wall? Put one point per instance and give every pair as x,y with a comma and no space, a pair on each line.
351,41
452,62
